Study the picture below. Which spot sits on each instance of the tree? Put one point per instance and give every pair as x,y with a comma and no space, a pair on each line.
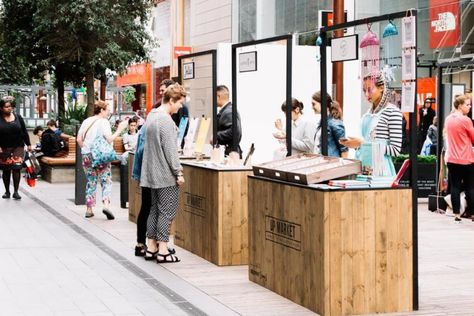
14,67
95,34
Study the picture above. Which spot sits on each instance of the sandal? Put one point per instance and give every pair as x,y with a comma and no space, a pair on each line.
168,258
150,255
108,214
140,250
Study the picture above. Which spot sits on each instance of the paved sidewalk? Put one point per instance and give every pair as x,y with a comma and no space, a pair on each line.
50,265
53,261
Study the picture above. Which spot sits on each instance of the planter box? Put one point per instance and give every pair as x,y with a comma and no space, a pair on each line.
426,178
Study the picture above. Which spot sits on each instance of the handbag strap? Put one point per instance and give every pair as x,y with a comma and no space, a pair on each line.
85,133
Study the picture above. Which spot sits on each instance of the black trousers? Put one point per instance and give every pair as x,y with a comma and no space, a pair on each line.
143,216
461,176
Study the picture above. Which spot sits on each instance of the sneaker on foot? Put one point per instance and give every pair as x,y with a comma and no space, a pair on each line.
16,196
6,195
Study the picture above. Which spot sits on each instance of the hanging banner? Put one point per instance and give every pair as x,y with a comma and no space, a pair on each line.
444,23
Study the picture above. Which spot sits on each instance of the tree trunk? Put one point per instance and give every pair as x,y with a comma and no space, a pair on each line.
103,86
60,86
90,92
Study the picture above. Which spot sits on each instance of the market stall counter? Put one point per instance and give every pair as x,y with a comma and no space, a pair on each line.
212,219
335,251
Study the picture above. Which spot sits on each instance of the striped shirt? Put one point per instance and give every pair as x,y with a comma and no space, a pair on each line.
389,128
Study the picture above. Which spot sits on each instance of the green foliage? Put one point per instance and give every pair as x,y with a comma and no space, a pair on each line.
74,115
430,159
76,38
129,94
13,68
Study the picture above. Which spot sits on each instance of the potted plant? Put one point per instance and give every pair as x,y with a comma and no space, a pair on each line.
73,116
426,173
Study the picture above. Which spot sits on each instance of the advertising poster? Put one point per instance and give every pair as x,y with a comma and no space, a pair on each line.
444,23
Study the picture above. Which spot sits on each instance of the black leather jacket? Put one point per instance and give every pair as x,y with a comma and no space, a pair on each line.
224,129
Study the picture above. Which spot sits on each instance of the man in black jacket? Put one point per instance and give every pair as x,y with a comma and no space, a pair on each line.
224,122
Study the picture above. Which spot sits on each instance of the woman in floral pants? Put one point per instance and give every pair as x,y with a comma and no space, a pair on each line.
92,127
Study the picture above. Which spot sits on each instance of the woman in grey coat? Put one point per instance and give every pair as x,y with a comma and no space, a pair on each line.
162,173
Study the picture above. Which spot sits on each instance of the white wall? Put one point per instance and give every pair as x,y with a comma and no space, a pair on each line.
261,93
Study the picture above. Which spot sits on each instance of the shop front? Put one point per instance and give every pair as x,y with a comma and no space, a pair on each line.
140,78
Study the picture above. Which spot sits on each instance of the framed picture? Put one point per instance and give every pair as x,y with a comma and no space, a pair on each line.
188,71
408,64
408,32
345,48
248,61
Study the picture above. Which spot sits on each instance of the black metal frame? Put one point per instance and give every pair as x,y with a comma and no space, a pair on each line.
213,53
289,76
413,131
440,106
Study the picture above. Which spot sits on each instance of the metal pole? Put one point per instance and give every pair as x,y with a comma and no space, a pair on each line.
80,177
289,69
324,112
214,99
414,184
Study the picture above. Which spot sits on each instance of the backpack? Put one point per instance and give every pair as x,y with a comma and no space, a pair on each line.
51,143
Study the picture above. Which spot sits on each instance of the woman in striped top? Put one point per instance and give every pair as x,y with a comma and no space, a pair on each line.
381,129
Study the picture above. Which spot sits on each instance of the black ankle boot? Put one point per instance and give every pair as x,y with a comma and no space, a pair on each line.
6,195
16,196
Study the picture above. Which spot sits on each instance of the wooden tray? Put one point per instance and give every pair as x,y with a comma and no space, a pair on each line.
277,169
330,169
308,168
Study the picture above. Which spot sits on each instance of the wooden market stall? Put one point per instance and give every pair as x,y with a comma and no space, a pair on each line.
336,252
212,219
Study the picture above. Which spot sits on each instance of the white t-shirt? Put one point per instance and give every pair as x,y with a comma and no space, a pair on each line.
131,140
101,127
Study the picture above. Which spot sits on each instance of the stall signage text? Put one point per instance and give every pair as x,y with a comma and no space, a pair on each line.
282,232
195,204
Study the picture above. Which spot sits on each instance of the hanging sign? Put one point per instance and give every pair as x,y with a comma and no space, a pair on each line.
181,50
408,32
345,48
444,23
408,64
408,96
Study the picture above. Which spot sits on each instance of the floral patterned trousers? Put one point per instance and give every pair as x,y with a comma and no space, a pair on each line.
101,173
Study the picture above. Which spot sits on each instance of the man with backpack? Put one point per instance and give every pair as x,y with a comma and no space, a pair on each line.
52,144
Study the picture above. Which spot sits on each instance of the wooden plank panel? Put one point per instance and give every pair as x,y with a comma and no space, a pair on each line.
335,254
196,226
212,218
347,251
358,272
234,213
381,277
405,223
280,228
368,204
393,281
